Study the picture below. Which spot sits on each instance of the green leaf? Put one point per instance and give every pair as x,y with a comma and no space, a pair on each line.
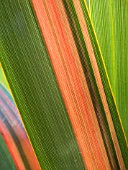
110,20
2,78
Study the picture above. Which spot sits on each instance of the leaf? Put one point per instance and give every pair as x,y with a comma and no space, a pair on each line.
2,78
6,161
30,75
13,133
110,19
80,45
55,69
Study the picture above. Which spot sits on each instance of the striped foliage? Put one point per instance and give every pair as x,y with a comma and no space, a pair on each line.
13,134
56,72
6,161
111,22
